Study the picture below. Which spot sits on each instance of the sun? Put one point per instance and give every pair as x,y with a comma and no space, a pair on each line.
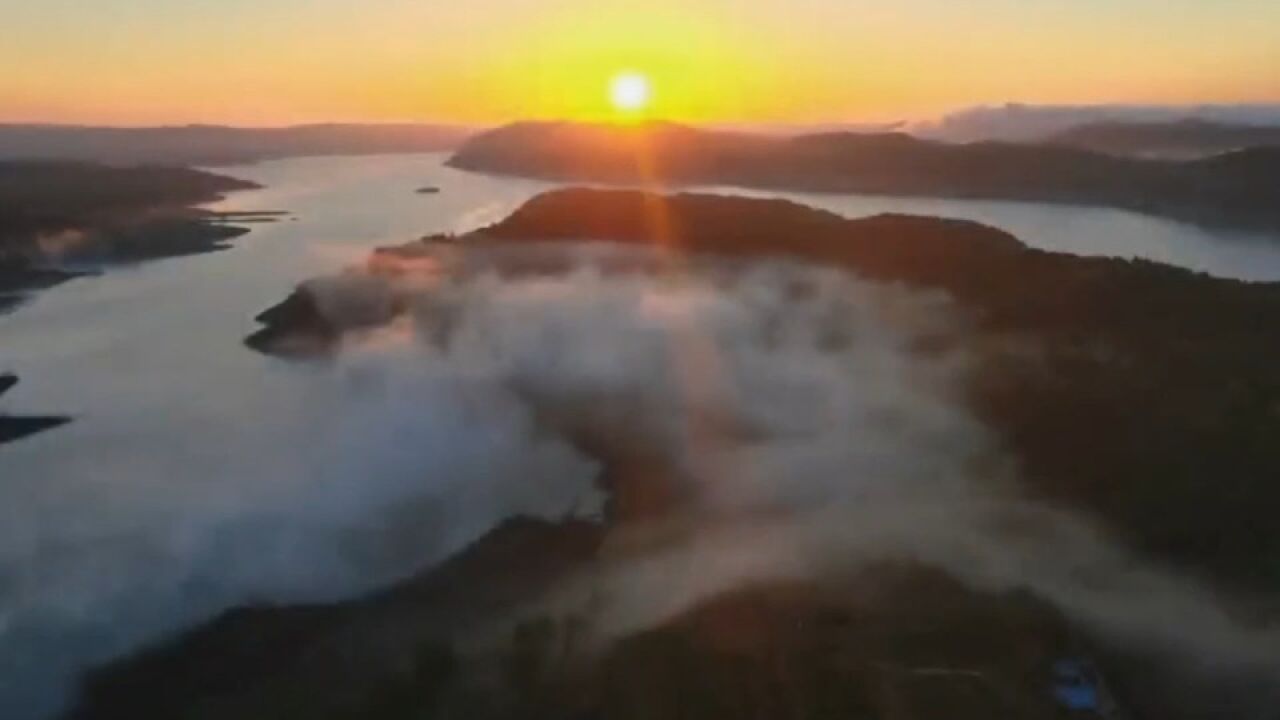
630,92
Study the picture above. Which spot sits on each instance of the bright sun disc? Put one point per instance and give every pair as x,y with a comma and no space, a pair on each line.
630,92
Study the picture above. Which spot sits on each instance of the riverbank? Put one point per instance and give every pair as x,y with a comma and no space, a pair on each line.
59,220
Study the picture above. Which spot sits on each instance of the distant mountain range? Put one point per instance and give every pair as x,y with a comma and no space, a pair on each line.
218,145
1150,131
1020,122
1239,189
1182,139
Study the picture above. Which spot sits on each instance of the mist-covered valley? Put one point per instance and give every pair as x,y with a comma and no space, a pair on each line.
691,430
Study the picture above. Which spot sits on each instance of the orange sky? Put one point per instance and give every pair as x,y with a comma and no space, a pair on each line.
486,61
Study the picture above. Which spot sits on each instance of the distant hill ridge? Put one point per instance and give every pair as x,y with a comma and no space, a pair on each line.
1186,138
219,145
1240,190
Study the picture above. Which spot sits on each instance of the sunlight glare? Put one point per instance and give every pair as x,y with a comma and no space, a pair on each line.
630,92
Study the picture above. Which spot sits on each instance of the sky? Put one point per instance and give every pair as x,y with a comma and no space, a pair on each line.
273,62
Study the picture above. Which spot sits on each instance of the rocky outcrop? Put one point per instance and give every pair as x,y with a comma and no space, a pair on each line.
296,327
312,320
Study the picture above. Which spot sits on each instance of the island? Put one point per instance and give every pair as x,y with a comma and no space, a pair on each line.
59,220
1239,189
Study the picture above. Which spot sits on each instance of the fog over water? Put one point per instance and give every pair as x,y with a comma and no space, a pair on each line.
199,475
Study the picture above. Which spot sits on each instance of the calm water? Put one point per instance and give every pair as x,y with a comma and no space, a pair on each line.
200,475
1081,231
